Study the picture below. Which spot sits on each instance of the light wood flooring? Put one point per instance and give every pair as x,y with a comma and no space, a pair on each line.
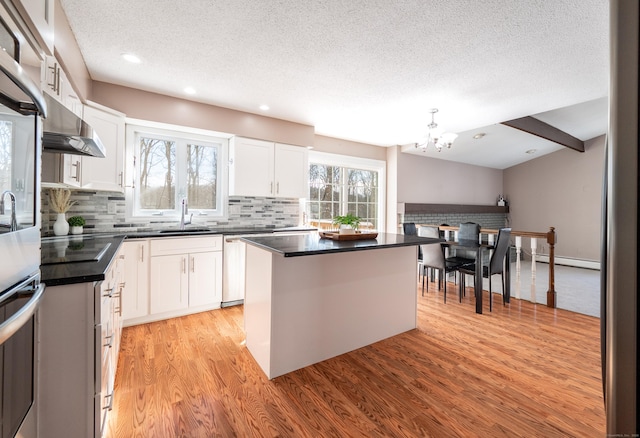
523,370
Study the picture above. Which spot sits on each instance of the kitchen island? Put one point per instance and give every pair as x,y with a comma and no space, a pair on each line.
309,299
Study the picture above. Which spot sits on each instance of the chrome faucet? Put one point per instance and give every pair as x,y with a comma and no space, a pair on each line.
184,210
14,223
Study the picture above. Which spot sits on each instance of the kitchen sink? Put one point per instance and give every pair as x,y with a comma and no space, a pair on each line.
186,230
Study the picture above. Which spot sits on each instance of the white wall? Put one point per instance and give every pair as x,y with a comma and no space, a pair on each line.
562,190
431,181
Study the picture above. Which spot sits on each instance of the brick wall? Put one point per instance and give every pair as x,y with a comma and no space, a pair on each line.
486,220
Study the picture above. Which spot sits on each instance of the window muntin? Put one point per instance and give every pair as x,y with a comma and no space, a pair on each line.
336,190
173,165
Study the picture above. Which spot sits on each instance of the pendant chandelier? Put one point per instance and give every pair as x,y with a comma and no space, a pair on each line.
436,137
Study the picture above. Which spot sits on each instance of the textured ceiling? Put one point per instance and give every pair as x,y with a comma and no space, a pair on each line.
363,70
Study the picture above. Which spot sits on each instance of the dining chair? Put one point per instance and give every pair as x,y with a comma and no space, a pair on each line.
466,231
433,232
496,264
410,229
433,258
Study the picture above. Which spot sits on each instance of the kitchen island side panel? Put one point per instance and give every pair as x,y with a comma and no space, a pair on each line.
329,304
257,305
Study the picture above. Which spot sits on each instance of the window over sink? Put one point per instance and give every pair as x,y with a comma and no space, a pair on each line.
170,166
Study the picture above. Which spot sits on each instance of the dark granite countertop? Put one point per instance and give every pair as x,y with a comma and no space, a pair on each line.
203,231
63,257
311,243
61,267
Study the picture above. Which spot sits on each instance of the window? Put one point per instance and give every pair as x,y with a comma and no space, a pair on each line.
170,166
340,185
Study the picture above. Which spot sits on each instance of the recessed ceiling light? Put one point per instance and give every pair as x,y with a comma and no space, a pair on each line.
131,58
531,151
264,107
190,90
479,135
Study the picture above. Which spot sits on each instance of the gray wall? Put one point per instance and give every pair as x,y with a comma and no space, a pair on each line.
563,190
432,181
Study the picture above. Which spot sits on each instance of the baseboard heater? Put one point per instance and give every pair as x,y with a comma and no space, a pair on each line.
568,261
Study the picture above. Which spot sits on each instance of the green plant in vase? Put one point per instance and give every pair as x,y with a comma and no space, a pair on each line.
348,224
76,223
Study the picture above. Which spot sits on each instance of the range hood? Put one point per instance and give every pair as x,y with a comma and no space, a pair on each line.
65,132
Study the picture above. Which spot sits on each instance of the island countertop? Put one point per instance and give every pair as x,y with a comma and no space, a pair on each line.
312,243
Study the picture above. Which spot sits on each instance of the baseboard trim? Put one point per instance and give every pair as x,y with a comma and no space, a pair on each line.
568,261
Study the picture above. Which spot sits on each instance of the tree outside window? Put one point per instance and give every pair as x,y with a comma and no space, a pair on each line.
170,168
337,191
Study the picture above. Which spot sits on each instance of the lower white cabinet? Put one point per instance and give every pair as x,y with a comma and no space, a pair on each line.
79,327
135,297
180,275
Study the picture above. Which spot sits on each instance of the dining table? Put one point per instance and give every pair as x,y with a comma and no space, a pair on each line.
479,248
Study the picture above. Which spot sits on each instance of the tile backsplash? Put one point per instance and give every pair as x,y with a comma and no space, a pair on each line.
105,212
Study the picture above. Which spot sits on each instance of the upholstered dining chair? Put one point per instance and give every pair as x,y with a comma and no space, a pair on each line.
433,258
496,264
466,231
410,229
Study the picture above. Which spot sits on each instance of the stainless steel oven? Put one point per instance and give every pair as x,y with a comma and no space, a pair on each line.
21,110
18,358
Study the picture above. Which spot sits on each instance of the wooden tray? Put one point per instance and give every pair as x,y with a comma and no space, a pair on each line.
335,235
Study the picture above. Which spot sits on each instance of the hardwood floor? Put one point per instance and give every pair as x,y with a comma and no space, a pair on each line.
522,370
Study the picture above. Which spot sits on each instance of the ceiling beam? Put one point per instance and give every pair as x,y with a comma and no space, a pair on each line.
541,129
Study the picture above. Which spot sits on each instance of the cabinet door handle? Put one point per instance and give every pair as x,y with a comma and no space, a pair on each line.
118,307
110,405
184,268
58,80
109,292
278,187
142,253
110,339
55,85
77,166
193,264
121,183
271,188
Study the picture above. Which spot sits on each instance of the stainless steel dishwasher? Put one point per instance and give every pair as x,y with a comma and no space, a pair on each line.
233,271
233,265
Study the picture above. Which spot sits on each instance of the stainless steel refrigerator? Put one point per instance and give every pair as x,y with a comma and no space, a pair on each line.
621,226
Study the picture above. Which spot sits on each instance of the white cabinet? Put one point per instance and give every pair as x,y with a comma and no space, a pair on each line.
135,297
185,276
169,283
92,173
105,173
38,15
79,328
260,168
56,84
205,278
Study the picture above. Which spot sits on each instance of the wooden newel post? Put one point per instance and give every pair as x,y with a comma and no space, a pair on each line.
551,293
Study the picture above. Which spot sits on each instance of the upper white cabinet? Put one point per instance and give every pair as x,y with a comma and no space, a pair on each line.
39,17
55,83
105,173
92,173
260,168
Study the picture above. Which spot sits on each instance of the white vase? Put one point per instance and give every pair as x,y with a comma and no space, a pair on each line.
347,229
61,226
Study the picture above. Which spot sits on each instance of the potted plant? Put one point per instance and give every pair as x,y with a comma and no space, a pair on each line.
348,223
76,223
